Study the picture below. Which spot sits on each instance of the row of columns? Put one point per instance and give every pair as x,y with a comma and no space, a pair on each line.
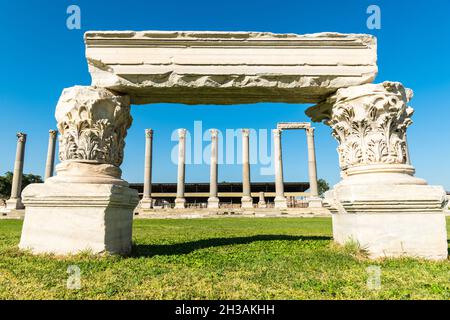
213,201
246,200
15,200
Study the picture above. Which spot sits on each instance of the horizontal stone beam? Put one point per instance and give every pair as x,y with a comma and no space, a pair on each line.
293,125
228,67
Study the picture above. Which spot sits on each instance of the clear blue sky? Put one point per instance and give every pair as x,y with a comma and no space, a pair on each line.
40,57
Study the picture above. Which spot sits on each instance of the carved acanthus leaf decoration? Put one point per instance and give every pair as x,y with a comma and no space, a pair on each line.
369,122
93,124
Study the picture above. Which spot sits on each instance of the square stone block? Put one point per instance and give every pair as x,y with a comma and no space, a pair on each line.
390,220
66,218
213,203
14,204
394,234
247,202
280,203
180,203
315,203
146,204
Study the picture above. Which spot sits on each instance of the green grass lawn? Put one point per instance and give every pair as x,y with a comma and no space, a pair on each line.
229,258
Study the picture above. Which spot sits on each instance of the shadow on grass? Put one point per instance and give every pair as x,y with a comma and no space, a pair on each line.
149,250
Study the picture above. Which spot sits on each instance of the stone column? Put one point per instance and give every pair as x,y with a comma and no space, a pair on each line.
262,201
379,203
15,201
86,205
146,202
246,200
280,199
313,201
49,166
312,166
180,201
213,200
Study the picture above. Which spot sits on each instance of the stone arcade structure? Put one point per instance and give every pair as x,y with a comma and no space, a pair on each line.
314,201
378,203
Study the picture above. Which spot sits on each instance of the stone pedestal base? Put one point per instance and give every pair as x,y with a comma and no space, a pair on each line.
280,203
66,218
247,202
390,215
394,234
146,203
180,203
213,203
314,202
262,204
12,214
14,204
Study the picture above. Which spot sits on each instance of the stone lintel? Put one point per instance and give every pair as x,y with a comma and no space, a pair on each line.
228,67
293,125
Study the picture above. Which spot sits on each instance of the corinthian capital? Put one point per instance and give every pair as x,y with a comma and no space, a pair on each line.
276,132
181,134
93,124
369,122
52,133
21,137
149,133
214,133
245,132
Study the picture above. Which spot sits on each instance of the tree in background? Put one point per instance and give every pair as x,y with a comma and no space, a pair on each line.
323,186
6,182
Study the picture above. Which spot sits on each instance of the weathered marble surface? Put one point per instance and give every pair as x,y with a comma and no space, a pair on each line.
93,124
369,122
228,67
421,235
66,218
